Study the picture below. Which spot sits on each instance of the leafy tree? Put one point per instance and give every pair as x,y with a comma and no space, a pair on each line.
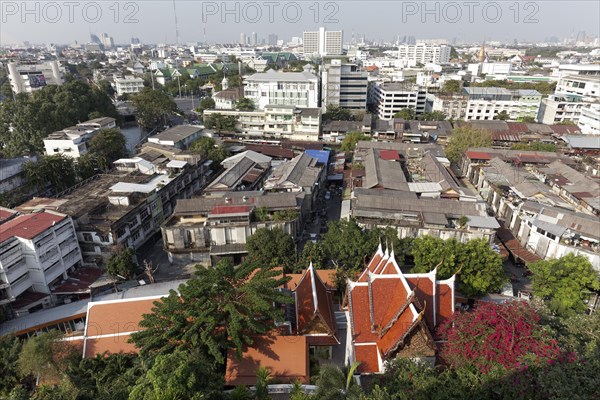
45,356
263,378
87,165
535,146
120,263
432,116
497,336
220,122
245,104
56,170
502,116
335,113
10,348
271,247
407,114
335,383
530,120
178,375
479,267
107,146
206,104
153,107
464,137
452,86
312,252
346,246
106,87
220,308
564,282
207,148
351,140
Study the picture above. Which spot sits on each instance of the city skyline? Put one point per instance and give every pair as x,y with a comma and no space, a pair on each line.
36,22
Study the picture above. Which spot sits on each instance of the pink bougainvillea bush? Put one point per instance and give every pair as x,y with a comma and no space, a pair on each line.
505,336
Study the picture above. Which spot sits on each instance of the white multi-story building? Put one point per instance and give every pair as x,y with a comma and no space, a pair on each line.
582,85
27,78
485,103
128,85
559,108
277,121
453,105
36,252
344,85
299,89
422,53
389,98
72,141
589,120
323,43
576,69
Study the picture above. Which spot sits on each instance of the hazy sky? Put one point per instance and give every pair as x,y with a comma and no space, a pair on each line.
154,21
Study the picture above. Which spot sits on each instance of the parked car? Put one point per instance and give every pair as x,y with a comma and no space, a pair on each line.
328,195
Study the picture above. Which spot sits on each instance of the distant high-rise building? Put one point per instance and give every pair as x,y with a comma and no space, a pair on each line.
95,39
243,39
323,42
107,41
135,40
254,39
272,40
411,40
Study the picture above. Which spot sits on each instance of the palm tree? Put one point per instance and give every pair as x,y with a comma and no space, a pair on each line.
263,377
335,383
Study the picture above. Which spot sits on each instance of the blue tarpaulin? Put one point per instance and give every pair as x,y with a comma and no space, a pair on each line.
322,156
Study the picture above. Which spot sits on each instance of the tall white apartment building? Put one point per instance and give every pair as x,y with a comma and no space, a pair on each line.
72,141
589,120
582,85
344,85
36,252
27,78
422,53
299,89
389,98
559,108
323,43
485,103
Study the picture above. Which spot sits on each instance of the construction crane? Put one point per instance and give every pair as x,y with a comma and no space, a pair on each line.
176,25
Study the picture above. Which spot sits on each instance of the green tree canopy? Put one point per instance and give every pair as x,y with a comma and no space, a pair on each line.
335,113
312,252
452,86
120,263
351,139
220,122
464,137
348,245
46,356
207,148
245,104
56,170
153,107
502,116
10,348
272,248
218,309
535,146
407,114
479,268
335,383
206,103
107,146
565,282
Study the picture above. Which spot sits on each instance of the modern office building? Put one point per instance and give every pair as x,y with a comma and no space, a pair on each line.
344,85
390,97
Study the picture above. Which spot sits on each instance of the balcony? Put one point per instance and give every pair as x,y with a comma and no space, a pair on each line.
20,285
10,256
16,270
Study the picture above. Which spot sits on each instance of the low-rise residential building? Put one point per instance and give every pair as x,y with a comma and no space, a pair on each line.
559,108
589,119
581,85
128,85
207,228
389,98
12,178
536,204
335,131
275,88
37,252
277,121
454,106
127,207
180,136
485,103
409,188
244,171
73,141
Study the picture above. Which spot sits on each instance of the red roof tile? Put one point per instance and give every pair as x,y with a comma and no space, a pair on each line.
367,356
28,226
478,155
391,155
217,210
445,301
5,214
309,290
424,289
286,358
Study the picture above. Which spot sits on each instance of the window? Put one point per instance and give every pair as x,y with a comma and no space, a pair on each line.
87,237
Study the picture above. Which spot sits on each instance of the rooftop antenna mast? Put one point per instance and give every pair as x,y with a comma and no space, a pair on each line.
176,25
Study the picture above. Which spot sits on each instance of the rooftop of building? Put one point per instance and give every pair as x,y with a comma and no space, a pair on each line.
28,226
178,133
279,76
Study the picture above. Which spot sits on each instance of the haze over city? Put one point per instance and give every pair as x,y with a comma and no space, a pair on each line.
221,22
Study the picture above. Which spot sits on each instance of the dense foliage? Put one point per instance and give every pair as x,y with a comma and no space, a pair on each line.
351,140
120,264
208,149
564,282
153,107
271,248
535,146
464,137
220,122
53,108
478,267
